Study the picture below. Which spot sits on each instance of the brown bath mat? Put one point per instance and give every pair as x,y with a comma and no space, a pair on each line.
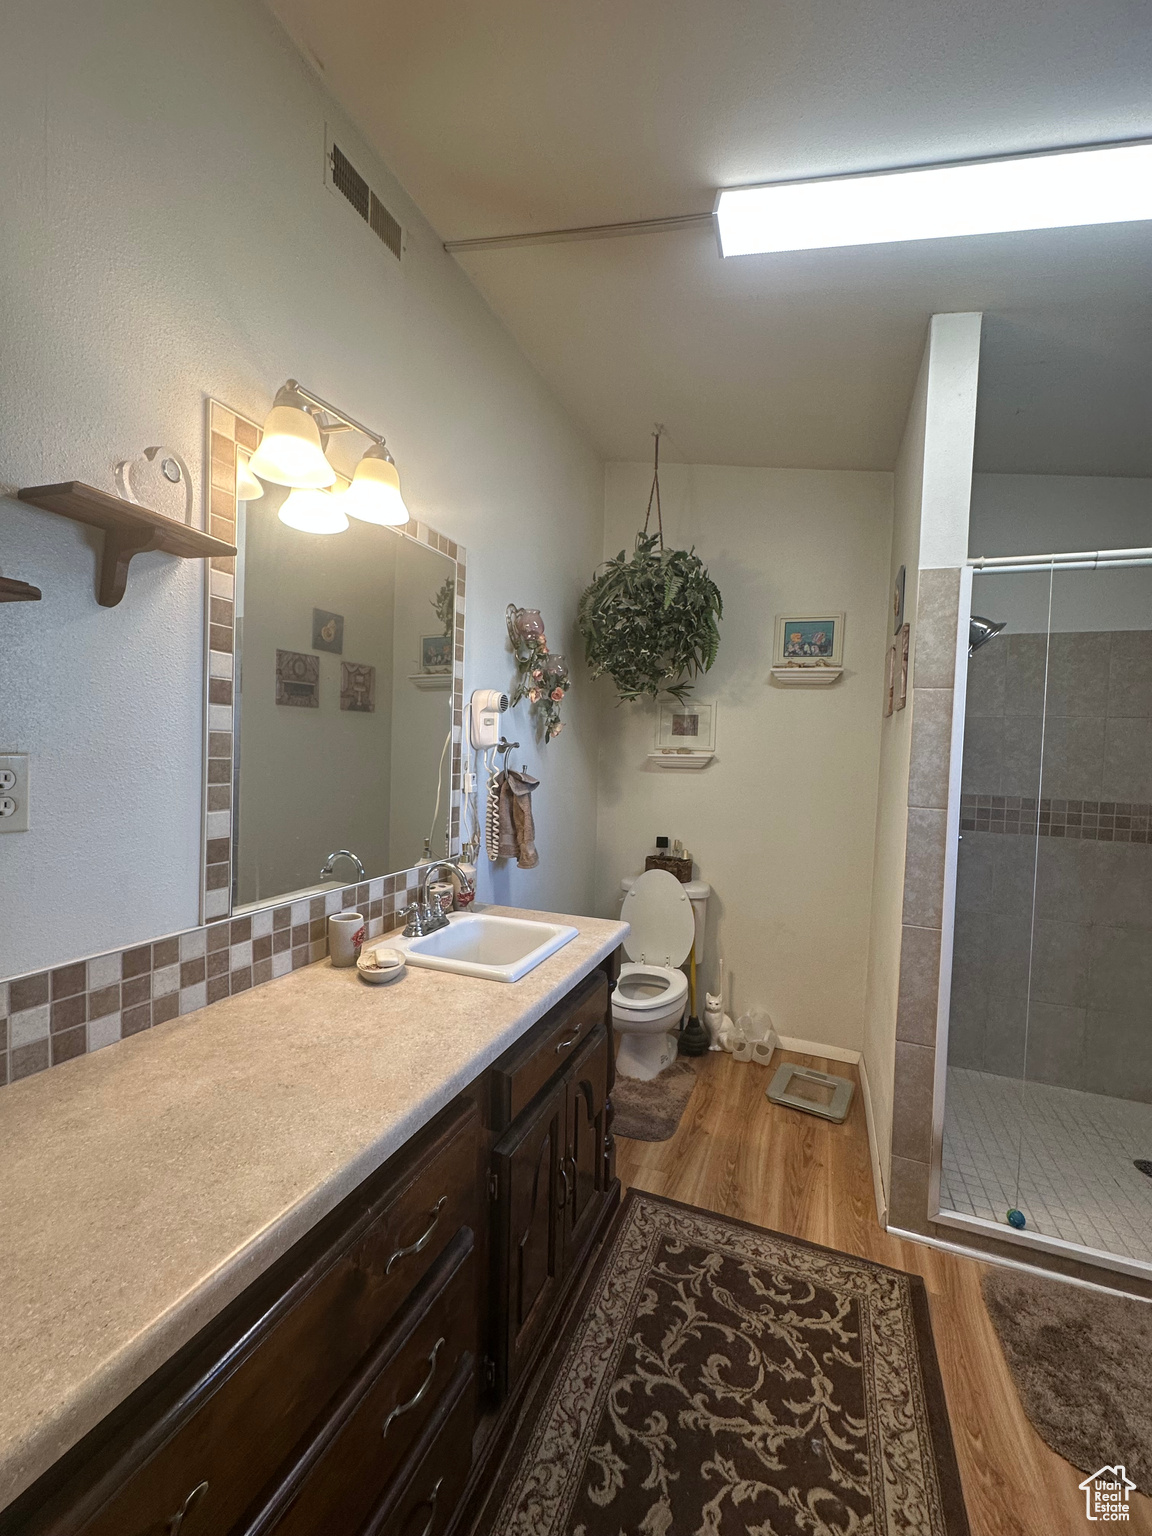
651,1111
718,1377
1082,1363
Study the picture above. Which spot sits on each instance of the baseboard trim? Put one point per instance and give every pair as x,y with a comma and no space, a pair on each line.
817,1048
873,1149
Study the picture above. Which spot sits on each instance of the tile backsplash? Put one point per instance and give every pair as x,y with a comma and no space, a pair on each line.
49,1017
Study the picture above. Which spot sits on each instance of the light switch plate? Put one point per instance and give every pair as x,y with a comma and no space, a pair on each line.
14,792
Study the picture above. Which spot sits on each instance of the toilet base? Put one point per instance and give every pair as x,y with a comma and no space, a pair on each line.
644,1056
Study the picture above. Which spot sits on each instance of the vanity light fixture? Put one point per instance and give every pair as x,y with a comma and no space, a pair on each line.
313,511
290,451
248,488
374,495
1110,184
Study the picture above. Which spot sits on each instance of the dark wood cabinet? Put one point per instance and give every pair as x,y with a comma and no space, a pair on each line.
344,1393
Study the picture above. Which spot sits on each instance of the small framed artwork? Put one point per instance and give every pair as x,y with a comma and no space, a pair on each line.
687,727
889,681
327,631
898,600
811,640
357,687
435,653
298,679
902,640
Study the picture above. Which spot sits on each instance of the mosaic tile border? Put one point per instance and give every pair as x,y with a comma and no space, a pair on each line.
51,1016
229,440
1099,821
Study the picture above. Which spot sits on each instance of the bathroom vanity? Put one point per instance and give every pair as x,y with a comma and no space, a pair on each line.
289,1266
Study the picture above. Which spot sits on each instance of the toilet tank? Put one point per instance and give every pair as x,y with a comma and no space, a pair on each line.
698,894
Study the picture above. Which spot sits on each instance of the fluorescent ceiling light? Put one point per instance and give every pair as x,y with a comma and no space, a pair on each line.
1084,186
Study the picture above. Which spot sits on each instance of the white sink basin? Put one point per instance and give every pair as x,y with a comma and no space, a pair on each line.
497,948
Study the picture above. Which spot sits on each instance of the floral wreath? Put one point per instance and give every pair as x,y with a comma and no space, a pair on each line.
543,674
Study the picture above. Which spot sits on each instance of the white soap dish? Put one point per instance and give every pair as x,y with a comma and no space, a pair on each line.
379,965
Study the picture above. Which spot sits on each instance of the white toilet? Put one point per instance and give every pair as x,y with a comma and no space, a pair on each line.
651,996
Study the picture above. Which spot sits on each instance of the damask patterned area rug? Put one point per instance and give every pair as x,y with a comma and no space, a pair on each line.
718,1379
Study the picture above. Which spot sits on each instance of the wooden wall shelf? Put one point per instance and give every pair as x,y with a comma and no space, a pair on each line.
13,591
128,530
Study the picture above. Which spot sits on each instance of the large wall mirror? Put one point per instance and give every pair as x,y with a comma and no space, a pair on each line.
335,688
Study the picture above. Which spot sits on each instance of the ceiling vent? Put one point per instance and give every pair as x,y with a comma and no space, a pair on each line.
343,177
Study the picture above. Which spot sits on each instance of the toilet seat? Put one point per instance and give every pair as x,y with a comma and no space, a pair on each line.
661,918
643,990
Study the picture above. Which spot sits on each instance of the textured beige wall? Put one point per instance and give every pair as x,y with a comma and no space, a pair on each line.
782,822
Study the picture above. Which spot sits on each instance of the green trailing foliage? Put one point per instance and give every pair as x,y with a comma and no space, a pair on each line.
651,622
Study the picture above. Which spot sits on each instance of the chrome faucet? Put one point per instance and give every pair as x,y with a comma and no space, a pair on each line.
422,916
342,853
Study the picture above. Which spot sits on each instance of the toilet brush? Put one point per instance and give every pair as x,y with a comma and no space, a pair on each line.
693,1036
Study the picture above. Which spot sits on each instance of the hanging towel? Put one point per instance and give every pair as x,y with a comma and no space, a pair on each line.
517,829
492,816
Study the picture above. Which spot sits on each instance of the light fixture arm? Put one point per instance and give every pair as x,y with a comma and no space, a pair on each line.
340,422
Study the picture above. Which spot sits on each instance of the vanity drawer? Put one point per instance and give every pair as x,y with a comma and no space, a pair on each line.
426,1491
232,1432
547,1048
343,1472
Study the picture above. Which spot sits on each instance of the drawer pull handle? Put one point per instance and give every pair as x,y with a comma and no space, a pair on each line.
432,1497
567,1187
423,1240
174,1523
402,1408
568,1040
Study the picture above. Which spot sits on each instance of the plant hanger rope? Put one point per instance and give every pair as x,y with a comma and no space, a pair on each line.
655,491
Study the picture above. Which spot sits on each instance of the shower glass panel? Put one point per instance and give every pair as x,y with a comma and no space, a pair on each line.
1048,1108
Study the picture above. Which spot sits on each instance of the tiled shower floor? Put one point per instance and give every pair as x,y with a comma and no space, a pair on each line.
1077,1181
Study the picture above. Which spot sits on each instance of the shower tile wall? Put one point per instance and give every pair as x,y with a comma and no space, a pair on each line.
1091,994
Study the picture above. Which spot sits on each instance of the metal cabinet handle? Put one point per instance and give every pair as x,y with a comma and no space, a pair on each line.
423,1240
435,1494
564,1175
570,1040
407,1407
572,1164
174,1523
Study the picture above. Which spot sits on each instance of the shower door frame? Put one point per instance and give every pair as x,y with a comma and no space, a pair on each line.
979,1225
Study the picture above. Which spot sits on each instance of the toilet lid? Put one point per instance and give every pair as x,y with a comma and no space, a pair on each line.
663,923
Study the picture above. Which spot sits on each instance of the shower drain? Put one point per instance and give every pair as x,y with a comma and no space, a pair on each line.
1144,1164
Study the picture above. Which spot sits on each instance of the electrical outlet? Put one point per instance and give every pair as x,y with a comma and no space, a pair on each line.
14,792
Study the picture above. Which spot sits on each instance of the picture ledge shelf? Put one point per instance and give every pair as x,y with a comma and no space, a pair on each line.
128,530
806,677
681,759
429,680
13,591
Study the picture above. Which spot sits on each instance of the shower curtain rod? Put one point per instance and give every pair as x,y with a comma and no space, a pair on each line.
1086,560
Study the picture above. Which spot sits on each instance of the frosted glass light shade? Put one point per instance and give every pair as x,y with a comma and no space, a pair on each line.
290,452
248,488
314,512
374,495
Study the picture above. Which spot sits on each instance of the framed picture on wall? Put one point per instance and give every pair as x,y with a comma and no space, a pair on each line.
902,640
687,727
889,681
898,601
435,653
812,640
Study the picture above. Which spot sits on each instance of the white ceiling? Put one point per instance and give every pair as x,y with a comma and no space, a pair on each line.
503,116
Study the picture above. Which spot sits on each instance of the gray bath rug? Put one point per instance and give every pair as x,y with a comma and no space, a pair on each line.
1081,1362
651,1111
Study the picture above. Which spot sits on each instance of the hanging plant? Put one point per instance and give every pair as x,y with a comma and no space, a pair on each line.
543,674
445,605
651,622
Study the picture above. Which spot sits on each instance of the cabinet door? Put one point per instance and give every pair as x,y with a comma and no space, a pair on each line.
584,1179
528,1230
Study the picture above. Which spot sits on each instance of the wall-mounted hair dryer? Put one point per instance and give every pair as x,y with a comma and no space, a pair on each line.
484,712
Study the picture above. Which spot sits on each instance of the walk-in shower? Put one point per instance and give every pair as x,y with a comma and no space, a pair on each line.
1047,1093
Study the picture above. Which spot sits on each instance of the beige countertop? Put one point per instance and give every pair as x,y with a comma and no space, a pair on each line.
142,1188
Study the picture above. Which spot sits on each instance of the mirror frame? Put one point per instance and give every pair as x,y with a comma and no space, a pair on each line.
231,437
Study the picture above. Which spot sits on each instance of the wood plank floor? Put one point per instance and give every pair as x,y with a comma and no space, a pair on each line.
737,1154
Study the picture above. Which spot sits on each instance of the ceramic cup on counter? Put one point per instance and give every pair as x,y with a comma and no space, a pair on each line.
346,933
